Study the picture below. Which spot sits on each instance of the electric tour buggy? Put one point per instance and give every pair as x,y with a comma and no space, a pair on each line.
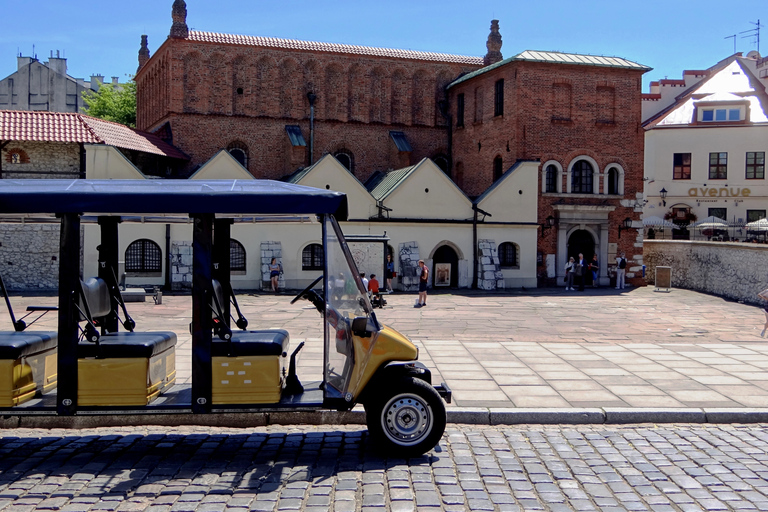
100,363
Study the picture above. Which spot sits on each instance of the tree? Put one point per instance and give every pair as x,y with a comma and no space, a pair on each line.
116,104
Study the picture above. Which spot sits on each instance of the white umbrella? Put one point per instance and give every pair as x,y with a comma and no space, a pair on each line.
711,222
758,225
658,222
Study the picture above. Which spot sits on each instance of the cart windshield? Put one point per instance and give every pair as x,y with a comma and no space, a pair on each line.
347,300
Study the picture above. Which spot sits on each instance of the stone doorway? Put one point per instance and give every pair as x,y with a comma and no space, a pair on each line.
445,260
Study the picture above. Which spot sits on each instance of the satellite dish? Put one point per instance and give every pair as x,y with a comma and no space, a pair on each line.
754,55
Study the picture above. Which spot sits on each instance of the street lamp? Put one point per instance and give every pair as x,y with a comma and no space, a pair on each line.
626,224
549,222
663,195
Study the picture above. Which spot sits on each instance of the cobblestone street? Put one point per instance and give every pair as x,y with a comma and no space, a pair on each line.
609,468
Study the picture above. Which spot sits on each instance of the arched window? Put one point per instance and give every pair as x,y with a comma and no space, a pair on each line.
143,256
239,152
236,256
551,179
581,177
345,158
312,257
613,180
498,168
508,253
442,162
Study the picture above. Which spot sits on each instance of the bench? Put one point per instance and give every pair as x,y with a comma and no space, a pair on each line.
28,359
119,368
248,365
377,299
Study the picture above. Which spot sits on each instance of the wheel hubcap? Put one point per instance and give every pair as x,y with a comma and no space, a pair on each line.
407,419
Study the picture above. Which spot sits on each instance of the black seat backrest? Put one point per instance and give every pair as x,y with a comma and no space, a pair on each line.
218,298
96,293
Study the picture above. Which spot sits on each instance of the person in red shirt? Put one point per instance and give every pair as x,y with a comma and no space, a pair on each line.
373,284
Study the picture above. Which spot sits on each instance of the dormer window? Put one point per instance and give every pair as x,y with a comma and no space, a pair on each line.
720,114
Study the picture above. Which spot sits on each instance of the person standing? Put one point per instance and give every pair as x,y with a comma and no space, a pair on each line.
621,271
364,280
423,279
580,269
570,268
389,272
275,269
594,267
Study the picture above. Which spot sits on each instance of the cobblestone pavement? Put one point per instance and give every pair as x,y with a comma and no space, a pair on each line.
608,468
537,348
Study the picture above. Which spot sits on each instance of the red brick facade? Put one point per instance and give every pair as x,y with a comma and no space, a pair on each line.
213,95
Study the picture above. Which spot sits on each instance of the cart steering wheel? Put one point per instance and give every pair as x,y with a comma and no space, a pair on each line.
306,290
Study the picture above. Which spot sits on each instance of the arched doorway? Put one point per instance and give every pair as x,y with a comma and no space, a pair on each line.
581,241
445,269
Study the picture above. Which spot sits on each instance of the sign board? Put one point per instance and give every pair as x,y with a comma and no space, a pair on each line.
663,278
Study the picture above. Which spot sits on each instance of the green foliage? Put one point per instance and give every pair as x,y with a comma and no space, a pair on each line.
116,104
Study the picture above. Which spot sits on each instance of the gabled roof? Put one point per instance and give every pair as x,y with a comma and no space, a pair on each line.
42,126
557,58
729,81
382,183
293,44
498,182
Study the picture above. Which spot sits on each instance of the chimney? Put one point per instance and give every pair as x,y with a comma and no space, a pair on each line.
57,64
179,29
23,61
143,53
114,81
96,81
494,45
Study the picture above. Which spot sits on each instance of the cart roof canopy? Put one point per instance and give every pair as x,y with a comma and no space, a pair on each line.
263,197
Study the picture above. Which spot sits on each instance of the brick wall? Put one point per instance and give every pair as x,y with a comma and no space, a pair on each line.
554,112
213,94
41,160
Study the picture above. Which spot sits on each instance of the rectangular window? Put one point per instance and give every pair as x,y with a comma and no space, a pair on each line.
720,114
498,102
753,215
720,213
460,110
400,141
682,166
295,136
755,165
708,115
718,166
734,114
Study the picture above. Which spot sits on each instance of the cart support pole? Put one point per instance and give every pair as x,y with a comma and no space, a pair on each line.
108,249
202,372
69,282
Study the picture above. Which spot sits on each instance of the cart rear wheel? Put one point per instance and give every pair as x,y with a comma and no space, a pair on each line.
408,419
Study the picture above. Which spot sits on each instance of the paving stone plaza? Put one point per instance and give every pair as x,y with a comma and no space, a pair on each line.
539,349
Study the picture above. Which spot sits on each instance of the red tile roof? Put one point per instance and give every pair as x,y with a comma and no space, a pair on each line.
24,125
293,44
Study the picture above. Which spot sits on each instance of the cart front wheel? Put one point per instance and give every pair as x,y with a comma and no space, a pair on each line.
408,419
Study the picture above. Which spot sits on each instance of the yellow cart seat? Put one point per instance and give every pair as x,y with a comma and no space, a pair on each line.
250,368
27,365
123,368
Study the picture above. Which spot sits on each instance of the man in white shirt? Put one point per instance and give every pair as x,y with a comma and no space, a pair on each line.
621,270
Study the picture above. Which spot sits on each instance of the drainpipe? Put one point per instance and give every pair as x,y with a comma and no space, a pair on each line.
311,97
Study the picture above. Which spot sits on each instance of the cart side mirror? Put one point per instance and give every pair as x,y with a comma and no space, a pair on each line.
360,327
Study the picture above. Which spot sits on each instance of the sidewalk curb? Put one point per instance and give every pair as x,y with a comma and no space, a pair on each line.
469,415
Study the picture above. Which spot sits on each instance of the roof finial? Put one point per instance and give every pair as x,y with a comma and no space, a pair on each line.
179,29
143,53
493,44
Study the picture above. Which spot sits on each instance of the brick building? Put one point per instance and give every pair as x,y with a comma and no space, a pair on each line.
278,105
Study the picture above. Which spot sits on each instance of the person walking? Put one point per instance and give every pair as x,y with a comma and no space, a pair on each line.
580,269
275,269
570,268
621,271
389,272
423,279
594,267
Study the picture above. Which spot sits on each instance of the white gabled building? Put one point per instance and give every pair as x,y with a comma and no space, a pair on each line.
705,145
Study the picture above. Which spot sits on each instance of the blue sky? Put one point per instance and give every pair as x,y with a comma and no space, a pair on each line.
669,36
